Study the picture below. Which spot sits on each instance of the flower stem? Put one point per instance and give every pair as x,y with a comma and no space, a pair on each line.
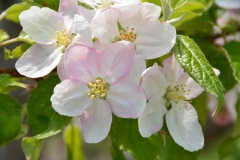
14,40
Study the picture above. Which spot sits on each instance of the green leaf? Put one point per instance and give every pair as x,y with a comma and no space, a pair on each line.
32,147
53,4
200,104
10,118
3,35
167,10
125,135
13,12
23,131
42,118
173,151
191,58
218,59
73,141
116,153
176,3
175,20
233,49
230,148
25,38
17,52
7,80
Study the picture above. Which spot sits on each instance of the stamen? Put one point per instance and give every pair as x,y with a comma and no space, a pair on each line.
128,35
98,88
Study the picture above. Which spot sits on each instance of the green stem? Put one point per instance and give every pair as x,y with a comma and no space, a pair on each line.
14,40
2,15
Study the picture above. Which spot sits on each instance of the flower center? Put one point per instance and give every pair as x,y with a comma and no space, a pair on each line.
61,37
176,93
128,35
98,88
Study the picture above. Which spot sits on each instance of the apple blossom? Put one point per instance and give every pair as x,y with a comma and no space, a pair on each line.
53,32
140,26
165,86
97,87
99,5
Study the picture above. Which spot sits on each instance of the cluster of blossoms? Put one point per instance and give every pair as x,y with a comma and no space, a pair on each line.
109,75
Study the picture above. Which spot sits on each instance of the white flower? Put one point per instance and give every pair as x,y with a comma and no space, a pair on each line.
53,32
140,26
99,5
97,87
169,91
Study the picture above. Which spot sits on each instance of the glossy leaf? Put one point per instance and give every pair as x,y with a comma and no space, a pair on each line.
191,58
73,141
125,135
13,12
32,147
3,35
43,120
10,118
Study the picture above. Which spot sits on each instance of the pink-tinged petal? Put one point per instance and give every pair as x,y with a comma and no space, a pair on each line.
151,121
116,61
84,30
155,39
96,121
70,98
124,4
126,99
80,62
38,60
88,14
183,125
104,26
100,46
62,74
43,21
68,8
229,4
153,82
139,66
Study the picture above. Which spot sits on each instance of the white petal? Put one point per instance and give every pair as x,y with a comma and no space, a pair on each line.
153,82
62,74
44,21
100,46
84,30
88,14
138,67
231,98
151,11
155,39
183,125
172,70
70,98
96,121
104,26
39,60
151,121
68,8
126,99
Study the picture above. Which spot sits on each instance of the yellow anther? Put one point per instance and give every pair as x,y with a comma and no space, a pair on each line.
99,88
92,96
